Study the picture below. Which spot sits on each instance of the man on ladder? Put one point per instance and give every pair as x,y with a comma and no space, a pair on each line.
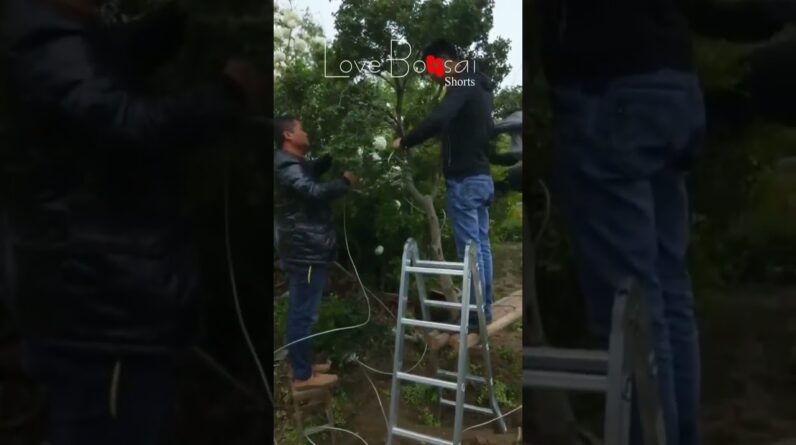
463,122
628,116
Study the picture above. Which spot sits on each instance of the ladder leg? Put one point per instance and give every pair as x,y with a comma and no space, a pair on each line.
463,365
620,387
484,338
403,294
643,364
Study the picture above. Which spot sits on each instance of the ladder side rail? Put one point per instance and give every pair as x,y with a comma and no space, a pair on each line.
463,367
395,392
644,367
475,270
619,391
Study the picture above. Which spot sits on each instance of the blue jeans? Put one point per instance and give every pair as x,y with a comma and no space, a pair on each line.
621,167
468,209
306,283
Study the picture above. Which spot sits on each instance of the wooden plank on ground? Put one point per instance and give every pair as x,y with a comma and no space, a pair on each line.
505,312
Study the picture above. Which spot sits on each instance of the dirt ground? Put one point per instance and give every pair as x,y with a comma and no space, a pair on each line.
367,419
749,367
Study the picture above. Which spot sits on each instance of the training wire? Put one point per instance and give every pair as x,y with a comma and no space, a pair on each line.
250,344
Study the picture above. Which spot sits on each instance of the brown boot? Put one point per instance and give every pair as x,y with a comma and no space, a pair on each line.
317,381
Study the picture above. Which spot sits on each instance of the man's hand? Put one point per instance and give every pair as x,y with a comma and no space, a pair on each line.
352,179
248,78
396,144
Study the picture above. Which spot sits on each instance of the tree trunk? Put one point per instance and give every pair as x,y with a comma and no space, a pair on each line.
550,411
426,204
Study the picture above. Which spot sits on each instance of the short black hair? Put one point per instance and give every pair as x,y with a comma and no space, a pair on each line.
281,125
441,47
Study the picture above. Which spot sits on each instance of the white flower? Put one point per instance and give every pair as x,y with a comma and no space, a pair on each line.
379,143
397,204
319,40
378,250
300,45
375,157
279,56
291,14
291,22
396,168
360,151
281,33
277,74
389,105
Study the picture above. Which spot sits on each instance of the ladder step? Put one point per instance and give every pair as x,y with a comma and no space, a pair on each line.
440,264
467,406
449,304
469,378
431,325
431,440
427,381
565,380
433,271
572,360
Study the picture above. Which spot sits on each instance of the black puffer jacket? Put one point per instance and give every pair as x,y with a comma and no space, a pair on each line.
305,231
96,237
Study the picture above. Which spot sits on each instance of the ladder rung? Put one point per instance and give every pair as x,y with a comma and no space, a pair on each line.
449,304
467,406
565,380
427,380
440,264
432,271
420,437
431,325
470,378
573,360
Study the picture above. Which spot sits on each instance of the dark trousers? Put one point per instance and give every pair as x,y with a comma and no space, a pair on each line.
97,399
621,176
307,283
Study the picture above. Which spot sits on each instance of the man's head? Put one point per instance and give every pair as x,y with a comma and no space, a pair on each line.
445,50
289,135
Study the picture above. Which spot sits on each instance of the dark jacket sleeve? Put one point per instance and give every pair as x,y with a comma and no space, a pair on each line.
64,74
741,21
454,100
292,177
151,40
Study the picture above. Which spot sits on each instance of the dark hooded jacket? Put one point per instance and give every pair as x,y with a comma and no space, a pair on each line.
305,231
591,42
98,254
463,123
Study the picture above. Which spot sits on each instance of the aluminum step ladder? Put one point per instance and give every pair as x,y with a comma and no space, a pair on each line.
628,364
411,265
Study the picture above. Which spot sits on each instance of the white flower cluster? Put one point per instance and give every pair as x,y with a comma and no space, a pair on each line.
379,143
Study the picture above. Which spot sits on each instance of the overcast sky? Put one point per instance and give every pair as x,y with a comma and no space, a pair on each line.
507,24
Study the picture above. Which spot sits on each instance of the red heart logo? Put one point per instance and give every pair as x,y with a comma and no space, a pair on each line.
434,66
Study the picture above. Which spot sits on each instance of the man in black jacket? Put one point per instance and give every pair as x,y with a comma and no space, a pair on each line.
628,116
463,123
101,275
305,240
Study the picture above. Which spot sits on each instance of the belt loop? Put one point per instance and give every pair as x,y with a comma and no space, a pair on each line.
309,275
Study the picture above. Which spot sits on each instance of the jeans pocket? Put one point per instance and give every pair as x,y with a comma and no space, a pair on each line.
648,127
477,194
